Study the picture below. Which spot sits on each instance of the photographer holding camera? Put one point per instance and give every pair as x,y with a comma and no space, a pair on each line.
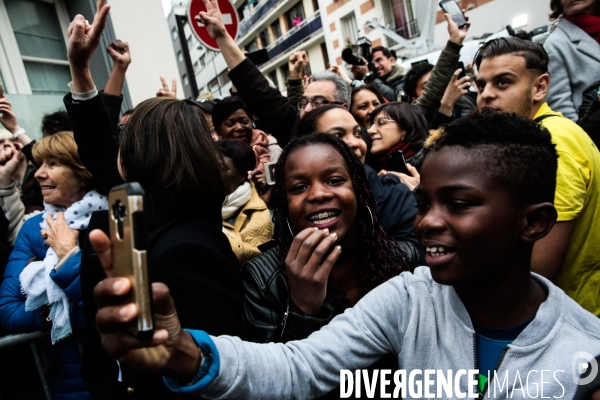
385,74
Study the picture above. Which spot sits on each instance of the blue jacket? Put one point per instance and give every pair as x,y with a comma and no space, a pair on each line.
64,377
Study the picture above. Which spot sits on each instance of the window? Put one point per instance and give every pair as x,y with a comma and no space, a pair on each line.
179,56
276,29
325,55
202,60
213,85
349,29
175,33
185,80
252,46
406,25
190,42
196,67
38,34
265,38
285,72
224,78
294,16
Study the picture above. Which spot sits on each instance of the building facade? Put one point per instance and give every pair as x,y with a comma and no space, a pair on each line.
282,27
34,69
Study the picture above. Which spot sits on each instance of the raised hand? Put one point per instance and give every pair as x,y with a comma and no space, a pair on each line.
359,71
119,52
165,92
336,69
84,38
171,351
411,181
10,159
8,118
455,90
457,35
308,265
297,62
212,19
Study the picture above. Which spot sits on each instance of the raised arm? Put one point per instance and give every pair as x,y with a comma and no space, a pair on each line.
267,103
429,102
97,146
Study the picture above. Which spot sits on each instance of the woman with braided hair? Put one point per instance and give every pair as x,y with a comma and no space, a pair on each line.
330,250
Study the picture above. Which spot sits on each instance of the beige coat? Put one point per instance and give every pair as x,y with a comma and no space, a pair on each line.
252,228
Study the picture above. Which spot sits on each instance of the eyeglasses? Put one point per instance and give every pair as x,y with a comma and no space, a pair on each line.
316,103
381,121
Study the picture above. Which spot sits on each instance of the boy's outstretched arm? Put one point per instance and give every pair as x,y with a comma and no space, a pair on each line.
236,369
550,252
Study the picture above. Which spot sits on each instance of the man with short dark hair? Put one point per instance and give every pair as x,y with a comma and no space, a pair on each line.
416,80
513,77
388,77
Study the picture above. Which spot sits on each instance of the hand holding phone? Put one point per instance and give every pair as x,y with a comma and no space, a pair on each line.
450,7
128,247
463,73
270,172
396,162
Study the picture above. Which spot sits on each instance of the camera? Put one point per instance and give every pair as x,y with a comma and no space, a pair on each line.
356,58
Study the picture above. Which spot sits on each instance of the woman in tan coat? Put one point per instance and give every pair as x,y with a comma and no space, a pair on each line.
246,219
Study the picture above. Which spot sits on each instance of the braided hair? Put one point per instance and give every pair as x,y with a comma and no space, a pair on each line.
379,256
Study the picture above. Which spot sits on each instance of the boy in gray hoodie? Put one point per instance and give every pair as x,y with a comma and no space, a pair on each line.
475,323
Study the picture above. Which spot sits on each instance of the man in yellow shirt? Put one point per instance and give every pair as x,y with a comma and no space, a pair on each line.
513,77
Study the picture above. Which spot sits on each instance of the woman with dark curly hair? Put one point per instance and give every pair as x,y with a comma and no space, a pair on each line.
330,250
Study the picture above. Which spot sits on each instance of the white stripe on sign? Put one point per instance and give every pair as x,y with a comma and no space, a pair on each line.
227,20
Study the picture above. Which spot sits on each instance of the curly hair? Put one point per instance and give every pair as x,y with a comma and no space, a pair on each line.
381,259
516,151
56,122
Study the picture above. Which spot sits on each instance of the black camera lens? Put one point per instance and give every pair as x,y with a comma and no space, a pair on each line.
351,57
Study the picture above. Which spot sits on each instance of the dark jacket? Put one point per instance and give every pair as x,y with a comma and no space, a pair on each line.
275,114
589,112
268,316
64,360
397,209
192,257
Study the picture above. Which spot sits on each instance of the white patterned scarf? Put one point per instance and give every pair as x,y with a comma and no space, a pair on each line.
36,282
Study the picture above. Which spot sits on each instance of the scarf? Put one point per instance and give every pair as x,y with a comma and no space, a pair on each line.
588,23
36,283
236,200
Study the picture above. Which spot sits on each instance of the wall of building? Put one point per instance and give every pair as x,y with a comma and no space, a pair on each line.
143,24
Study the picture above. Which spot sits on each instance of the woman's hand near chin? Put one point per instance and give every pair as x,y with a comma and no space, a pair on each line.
60,237
307,265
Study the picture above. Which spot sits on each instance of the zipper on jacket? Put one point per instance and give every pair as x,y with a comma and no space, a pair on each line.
285,317
488,383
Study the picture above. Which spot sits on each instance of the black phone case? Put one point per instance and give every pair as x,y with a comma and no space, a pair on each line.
397,163
460,22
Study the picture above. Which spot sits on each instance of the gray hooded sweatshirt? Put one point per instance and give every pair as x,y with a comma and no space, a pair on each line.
428,327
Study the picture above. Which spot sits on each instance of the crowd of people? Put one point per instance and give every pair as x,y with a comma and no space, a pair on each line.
372,219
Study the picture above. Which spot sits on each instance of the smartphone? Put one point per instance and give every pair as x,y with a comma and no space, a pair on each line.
270,172
462,74
259,56
397,163
128,240
450,7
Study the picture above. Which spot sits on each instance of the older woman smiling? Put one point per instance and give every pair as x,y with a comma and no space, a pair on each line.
41,282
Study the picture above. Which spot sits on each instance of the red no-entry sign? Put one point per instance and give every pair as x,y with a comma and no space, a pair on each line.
230,20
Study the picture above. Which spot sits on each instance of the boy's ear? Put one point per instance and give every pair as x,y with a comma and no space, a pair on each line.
539,220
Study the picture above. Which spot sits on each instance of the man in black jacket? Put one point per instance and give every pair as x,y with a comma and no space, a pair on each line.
388,77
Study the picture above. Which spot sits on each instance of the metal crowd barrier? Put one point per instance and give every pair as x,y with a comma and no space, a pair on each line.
12,340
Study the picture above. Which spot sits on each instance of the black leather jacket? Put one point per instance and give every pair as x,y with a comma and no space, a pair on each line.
267,314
